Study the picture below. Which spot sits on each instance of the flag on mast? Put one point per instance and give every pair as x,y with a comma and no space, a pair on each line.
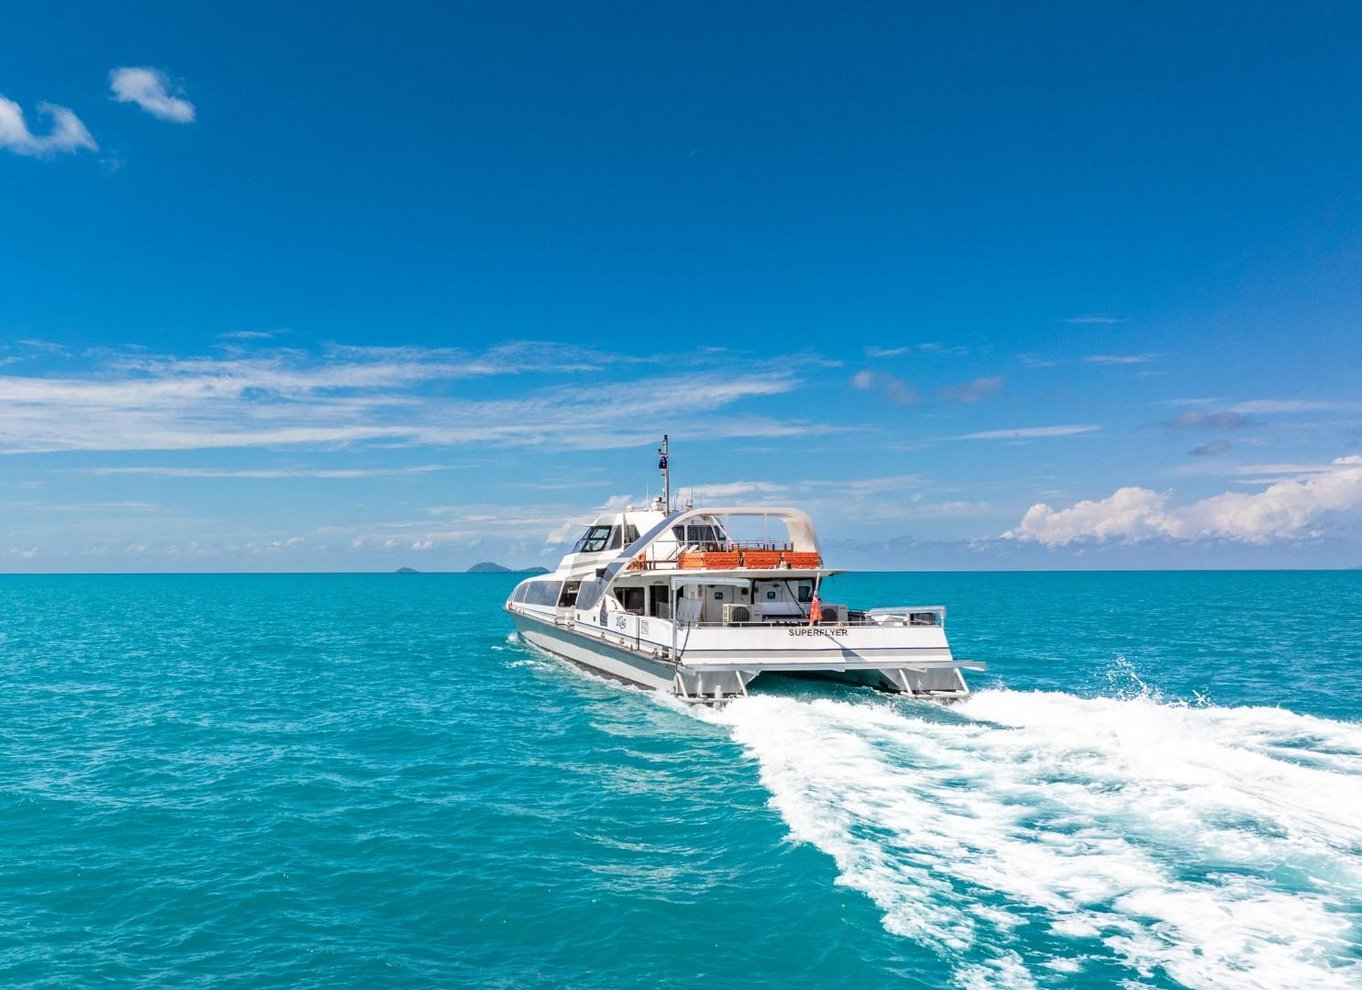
815,611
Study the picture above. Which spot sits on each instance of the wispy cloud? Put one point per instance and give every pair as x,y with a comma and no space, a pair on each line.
734,489
942,350
867,486
1199,419
266,473
1174,403
886,352
892,386
1093,319
354,395
1269,407
1032,432
68,134
1119,358
1286,509
1297,468
974,391
1211,449
150,89
247,335
42,346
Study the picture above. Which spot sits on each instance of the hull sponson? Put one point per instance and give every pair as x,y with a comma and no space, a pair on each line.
619,664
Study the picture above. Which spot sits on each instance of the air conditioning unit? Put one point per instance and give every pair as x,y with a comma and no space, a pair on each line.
736,614
834,613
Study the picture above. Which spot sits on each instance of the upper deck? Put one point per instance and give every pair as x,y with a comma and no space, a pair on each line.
708,540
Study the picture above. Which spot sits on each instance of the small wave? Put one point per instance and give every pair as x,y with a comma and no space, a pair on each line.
1028,834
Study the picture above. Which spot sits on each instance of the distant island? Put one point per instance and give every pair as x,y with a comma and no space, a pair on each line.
487,567
406,570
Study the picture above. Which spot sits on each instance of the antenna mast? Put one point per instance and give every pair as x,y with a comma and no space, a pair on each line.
666,470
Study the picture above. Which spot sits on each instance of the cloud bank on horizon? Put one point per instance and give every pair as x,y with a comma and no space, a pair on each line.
251,412
1285,510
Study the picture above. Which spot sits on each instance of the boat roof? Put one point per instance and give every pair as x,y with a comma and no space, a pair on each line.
797,521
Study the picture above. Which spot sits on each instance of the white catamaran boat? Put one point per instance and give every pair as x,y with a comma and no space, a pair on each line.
669,599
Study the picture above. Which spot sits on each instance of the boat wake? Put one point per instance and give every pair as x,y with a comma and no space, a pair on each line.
1028,836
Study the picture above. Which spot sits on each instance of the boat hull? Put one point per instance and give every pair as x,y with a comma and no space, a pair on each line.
713,680
598,657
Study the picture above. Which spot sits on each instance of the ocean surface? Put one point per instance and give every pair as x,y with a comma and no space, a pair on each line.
365,780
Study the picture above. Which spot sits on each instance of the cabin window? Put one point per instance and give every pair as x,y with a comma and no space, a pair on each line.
590,592
542,592
630,534
661,601
805,591
569,595
631,599
594,540
702,534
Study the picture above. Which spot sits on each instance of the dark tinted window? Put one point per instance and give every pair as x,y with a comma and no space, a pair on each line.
593,540
542,592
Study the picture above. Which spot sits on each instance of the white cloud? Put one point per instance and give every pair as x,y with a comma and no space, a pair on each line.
67,133
1286,509
1032,432
150,90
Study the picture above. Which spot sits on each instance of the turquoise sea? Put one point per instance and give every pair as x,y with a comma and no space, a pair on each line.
365,781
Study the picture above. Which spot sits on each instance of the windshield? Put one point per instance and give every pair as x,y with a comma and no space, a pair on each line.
595,539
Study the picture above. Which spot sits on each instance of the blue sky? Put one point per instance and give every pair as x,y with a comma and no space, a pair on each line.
309,288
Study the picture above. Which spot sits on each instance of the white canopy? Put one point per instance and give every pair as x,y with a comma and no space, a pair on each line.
704,577
797,522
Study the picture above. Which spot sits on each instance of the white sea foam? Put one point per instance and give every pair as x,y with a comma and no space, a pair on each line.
1025,835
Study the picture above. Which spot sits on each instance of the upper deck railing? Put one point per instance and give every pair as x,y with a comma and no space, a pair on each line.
731,556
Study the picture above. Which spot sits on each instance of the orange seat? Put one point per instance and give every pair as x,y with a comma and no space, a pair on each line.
803,558
761,558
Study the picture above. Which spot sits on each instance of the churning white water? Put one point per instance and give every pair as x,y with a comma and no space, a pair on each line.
1035,837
